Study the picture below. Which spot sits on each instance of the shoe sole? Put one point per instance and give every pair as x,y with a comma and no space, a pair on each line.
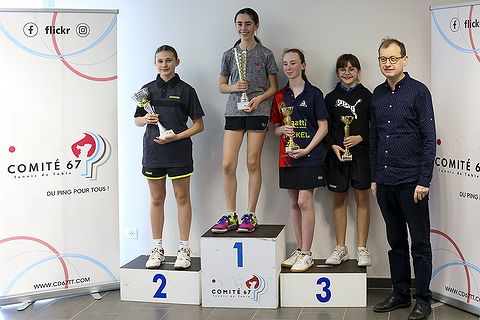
399,306
364,264
300,270
337,263
287,265
181,267
222,231
244,230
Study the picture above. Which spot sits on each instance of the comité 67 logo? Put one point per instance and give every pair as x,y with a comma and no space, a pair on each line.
94,151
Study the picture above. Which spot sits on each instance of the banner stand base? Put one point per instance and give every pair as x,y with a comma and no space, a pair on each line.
456,303
30,298
96,296
25,305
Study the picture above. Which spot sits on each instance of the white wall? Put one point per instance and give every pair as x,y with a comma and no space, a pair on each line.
201,31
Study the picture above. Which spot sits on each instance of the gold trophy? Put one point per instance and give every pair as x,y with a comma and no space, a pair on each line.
241,60
287,111
347,120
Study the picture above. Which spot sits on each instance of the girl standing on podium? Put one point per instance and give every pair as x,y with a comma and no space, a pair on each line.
301,169
174,101
260,85
349,98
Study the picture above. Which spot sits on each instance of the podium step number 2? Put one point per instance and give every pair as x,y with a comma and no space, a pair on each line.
163,285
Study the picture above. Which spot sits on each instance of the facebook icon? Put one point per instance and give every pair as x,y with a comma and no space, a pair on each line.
30,29
454,24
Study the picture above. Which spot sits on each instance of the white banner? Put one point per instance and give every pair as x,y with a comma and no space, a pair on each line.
58,153
455,200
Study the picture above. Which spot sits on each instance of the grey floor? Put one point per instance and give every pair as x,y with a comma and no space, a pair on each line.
111,308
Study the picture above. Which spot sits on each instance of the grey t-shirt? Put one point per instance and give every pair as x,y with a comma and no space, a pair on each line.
260,64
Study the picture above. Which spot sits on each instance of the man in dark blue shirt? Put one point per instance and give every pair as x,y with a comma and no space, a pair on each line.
402,151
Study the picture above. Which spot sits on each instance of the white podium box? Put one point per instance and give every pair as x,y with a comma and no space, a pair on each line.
163,285
344,285
241,270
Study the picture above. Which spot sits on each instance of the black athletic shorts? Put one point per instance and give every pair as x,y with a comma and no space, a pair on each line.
340,175
301,178
259,123
173,173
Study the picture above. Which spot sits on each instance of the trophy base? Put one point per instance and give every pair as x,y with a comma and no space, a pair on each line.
242,105
166,133
289,149
347,157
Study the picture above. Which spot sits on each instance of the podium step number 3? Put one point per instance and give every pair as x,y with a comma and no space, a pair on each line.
325,286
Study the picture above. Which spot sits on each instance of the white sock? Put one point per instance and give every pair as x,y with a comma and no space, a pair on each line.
157,243
183,244
231,213
308,253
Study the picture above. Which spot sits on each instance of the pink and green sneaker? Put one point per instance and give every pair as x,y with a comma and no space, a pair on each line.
249,223
226,223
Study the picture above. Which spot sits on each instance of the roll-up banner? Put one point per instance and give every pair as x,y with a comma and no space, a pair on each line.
58,153
455,197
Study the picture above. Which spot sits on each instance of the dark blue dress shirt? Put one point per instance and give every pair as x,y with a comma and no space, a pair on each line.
402,139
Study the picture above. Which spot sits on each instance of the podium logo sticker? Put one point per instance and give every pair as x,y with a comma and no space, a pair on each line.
257,286
233,288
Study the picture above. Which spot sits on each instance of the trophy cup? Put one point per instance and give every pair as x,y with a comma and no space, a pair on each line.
287,111
347,120
142,98
241,60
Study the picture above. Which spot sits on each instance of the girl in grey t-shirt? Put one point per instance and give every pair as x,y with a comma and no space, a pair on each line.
260,85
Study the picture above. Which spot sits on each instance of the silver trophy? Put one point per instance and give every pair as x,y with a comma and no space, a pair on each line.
142,98
241,60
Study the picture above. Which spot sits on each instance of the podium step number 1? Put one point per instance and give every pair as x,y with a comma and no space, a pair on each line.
242,269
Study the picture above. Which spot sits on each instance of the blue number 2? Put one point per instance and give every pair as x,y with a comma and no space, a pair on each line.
326,291
163,283
239,247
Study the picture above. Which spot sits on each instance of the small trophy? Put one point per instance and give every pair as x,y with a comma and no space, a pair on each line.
347,120
287,111
142,98
241,60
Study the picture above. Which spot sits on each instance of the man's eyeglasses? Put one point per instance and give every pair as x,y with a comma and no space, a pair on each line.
392,60
345,70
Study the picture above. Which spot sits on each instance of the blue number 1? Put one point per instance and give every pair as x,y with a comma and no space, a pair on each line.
326,291
163,283
239,247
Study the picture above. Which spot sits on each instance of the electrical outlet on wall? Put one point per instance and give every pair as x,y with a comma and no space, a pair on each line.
131,233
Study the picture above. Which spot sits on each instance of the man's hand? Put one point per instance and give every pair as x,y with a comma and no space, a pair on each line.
420,193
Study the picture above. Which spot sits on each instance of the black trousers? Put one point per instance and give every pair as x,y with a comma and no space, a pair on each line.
399,212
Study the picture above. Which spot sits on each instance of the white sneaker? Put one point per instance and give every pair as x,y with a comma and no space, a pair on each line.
291,260
303,263
339,255
363,257
183,259
155,259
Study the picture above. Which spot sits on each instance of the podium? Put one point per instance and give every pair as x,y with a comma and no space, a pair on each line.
163,285
322,285
241,270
